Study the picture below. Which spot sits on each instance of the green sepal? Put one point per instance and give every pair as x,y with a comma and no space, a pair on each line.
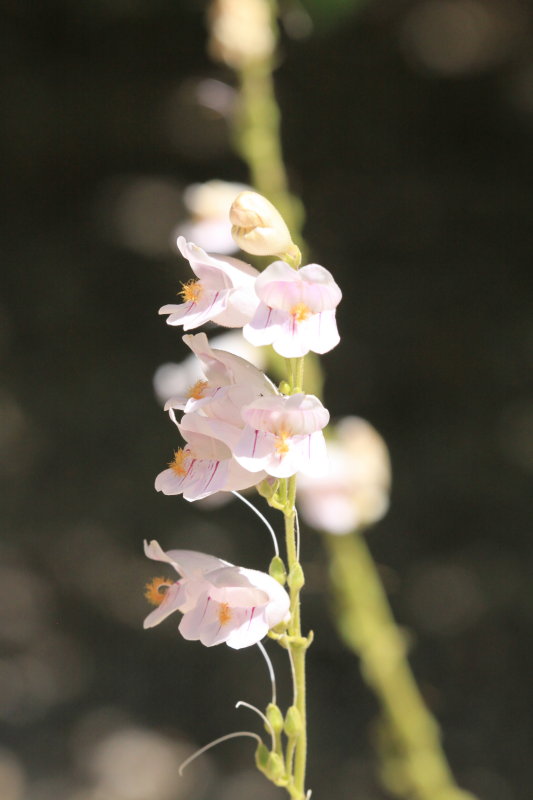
275,769
277,570
275,717
293,723
296,577
261,757
267,488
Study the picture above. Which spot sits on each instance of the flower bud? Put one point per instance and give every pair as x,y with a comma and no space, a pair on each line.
275,717
275,769
261,757
293,723
258,227
277,570
296,577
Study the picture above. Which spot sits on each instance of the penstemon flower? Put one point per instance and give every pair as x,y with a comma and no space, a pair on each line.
205,465
223,293
219,602
297,310
355,491
283,435
230,382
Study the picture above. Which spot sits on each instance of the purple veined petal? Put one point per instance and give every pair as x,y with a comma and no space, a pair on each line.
169,482
203,611
211,478
241,478
216,631
173,600
252,630
277,608
265,325
313,454
291,340
192,314
253,449
321,332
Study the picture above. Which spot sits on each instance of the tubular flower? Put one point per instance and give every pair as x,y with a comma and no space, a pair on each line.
282,436
297,310
224,292
205,465
219,602
230,382
355,491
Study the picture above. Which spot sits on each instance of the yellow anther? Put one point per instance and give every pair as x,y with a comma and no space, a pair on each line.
179,462
224,613
156,590
300,312
191,291
197,390
281,444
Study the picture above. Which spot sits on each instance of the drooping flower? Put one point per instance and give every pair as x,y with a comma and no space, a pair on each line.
297,310
227,384
224,292
205,465
355,491
219,602
282,436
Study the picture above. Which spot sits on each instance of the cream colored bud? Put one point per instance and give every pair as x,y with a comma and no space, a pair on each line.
258,227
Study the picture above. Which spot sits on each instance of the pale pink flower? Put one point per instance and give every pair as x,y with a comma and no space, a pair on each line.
355,491
224,292
219,602
230,383
172,379
282,436
205,465
297,310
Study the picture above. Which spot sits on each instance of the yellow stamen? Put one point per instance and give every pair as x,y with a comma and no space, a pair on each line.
179,463
300,312
156,590
197,390
281,444
224,613
191,291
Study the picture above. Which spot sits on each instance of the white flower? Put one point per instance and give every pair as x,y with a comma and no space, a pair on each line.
224,292
219,602
297,310
355,491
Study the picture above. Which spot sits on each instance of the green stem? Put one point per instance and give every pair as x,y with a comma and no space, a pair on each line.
415,761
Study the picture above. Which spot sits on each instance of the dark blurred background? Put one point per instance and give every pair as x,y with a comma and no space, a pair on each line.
407,128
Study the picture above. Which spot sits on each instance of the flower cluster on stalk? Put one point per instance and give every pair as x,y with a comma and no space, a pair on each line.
237,427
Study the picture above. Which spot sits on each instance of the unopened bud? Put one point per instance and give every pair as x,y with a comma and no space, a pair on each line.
261,757
258,227
277,570
296,577
275,769
293,722
275,717
268,488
